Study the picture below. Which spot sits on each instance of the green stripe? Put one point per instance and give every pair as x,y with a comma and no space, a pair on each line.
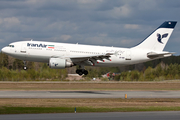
51,45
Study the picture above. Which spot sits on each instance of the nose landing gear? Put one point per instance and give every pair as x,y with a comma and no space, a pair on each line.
25,68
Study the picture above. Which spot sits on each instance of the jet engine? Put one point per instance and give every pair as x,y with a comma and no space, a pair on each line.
59,63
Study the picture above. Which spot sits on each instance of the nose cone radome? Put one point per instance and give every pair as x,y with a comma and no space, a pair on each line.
3,50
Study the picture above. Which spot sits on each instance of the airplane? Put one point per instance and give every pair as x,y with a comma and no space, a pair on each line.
64,55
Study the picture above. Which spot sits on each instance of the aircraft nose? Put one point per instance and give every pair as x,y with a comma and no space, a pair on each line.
3,50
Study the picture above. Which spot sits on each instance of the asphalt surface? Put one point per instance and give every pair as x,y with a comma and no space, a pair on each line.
89,94
168,115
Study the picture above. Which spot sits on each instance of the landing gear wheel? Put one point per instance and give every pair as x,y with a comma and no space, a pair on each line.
81,72
85,72
77,71
25,68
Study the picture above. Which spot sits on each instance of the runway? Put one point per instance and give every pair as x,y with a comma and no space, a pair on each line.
168,115
89,94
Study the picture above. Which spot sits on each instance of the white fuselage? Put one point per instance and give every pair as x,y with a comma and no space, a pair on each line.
39,51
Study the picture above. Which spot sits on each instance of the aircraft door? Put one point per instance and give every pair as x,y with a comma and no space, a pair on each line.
128,55
23,48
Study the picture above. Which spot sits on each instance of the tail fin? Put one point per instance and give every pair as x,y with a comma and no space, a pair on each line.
157,39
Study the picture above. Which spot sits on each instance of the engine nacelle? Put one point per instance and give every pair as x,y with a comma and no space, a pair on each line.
59,63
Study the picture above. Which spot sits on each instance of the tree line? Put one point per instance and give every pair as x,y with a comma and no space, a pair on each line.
11,69
160,69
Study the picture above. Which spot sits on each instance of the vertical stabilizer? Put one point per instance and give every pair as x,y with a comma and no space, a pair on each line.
157,40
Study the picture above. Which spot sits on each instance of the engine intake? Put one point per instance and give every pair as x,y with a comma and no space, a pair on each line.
59,63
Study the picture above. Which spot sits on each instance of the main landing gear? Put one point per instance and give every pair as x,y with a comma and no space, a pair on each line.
81,71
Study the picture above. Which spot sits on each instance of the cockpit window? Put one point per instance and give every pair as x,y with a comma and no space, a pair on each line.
11,46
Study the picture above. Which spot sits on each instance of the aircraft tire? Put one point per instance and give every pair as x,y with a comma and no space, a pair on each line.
85,72
81,72
25,68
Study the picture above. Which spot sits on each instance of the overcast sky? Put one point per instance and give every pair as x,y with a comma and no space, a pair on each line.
120,23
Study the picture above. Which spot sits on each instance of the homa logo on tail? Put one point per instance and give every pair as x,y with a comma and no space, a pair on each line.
159,38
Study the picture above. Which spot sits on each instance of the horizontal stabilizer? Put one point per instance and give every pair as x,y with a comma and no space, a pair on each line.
153,55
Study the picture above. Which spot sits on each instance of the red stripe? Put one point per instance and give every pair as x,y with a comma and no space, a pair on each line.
51,47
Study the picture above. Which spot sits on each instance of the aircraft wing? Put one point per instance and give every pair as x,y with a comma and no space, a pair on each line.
87,59
158,55
90,56
95,57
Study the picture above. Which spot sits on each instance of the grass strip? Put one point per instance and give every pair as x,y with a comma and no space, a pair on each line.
29,110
